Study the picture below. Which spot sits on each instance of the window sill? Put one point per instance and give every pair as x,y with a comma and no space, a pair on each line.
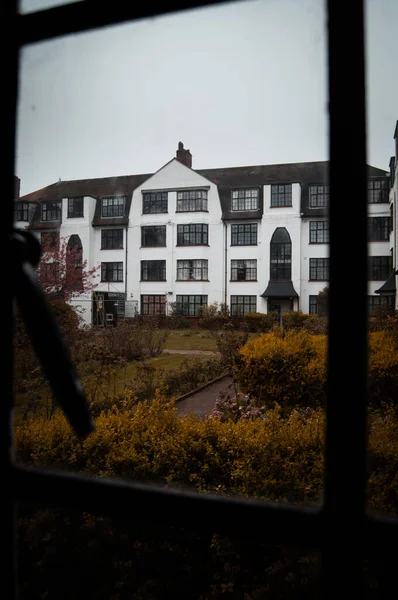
282,206
112,217
152,280
185,245
191,211
327,280
317,243
244,244
76,217
192,280
154,213
244,210
121,248
243,281
387,240
111,281
153,247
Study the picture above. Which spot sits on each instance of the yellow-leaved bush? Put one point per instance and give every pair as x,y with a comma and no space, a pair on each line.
278,459
290,368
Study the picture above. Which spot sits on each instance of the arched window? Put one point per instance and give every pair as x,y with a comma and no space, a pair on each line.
75,249
281,256
74,263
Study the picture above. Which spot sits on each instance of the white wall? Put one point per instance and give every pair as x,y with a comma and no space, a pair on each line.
172,177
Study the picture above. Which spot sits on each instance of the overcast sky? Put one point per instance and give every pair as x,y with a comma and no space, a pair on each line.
239,84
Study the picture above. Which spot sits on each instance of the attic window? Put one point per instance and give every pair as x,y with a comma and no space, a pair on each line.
22,211
245,200
113,206
319,196
51,211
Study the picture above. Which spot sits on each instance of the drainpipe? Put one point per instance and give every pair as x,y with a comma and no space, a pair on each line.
226,263
125,278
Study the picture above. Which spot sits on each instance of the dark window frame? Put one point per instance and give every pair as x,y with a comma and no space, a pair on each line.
155,203
244,196
197,232
112,271
21,211
51,214
378,190
153,305
244,302
112,239
195,201
319,269
153,270
318,195
342,513
379,267
319,229
188,305
113,206
241,232
156,234
313,304
241,271
281,195
379,228
75,205
193,269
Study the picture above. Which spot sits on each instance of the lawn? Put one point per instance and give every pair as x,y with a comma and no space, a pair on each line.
194,339
115,381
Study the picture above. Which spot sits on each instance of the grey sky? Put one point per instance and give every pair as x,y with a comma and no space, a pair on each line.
239,84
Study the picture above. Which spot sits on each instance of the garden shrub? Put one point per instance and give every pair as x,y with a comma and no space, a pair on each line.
315,325
285,368
289,368
294,319
135,340
259,322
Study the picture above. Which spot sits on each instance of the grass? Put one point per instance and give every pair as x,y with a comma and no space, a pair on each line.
116,380
194,339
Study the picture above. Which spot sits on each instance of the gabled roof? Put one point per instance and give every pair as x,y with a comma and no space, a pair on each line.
226,179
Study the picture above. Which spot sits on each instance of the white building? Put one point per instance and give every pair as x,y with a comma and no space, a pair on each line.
254,238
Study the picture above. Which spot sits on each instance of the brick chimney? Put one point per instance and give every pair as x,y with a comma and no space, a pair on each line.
184,156
17,187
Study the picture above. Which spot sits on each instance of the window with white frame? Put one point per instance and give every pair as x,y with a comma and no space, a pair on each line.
244,270
245,199
192,270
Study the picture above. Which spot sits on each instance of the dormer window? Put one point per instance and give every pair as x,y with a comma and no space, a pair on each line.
75,207
319,196
113,206
378,191
51,211
22,211
245,200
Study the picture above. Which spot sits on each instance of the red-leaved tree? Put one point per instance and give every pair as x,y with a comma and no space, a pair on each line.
62,271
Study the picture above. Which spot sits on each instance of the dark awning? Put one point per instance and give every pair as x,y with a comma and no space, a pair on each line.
279,289
389,286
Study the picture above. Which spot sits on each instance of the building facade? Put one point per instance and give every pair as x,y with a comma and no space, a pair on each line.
253,238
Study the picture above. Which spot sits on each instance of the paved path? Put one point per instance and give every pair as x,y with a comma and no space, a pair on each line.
202,403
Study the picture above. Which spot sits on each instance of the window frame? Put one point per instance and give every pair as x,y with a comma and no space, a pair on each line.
199,204
380,266
161,302
106,269
155,200
286,198
184,306
383,226
158,269
235,234
114,210
203,234
317,230
21,208
161,230
106,232
382,193
247,269
234,303
321,198
72,209
321,265
45,211
241,195
202,269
